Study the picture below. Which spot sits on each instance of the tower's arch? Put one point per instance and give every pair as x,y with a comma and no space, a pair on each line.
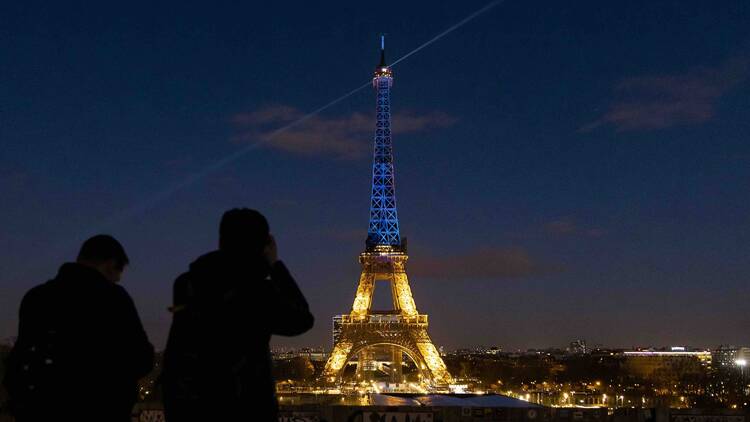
409,350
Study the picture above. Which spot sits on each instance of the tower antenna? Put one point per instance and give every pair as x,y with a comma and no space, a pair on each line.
382,51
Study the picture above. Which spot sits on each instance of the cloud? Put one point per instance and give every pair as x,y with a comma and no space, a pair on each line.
488,263
270,114
659,102
344,137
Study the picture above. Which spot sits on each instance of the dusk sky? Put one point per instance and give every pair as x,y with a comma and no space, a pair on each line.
564,169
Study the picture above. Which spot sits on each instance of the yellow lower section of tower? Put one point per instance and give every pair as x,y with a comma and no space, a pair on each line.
364,328
435,363
337,360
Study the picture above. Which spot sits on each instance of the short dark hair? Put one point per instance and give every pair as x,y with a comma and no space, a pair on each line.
243,229
103,247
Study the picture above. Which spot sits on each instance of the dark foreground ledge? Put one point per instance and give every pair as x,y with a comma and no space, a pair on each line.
342,413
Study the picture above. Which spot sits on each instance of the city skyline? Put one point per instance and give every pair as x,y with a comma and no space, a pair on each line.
560,174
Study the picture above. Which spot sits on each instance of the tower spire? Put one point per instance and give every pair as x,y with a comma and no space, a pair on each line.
383,229
382,51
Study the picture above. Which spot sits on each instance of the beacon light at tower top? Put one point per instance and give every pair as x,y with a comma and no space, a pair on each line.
382,70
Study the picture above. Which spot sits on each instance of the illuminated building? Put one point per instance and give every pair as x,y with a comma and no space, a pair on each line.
336,329
664,365
727,357
402,330
578,347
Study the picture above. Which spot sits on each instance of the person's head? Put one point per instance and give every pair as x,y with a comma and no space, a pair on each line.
243,230
106,255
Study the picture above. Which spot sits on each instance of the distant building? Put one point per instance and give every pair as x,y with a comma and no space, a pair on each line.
312,354
727,357
658,365
485,350
336,324
578,347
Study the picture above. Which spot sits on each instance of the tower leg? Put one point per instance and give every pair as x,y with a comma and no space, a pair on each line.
396,373
337,361
363,299
435,364
403,294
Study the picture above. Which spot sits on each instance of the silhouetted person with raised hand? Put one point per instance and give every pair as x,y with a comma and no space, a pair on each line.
81,347
217,364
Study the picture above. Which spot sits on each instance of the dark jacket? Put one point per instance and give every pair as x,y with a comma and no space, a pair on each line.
80,350
226,307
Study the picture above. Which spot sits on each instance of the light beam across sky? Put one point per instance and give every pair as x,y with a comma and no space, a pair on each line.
222,162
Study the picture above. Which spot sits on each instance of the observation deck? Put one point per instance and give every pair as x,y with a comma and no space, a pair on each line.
385,319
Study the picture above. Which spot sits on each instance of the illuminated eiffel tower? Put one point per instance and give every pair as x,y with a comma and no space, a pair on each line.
402,330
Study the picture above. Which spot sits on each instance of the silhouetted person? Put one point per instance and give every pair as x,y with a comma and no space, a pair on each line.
81,347
217,364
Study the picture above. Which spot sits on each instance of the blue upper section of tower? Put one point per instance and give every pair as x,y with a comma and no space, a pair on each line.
383,229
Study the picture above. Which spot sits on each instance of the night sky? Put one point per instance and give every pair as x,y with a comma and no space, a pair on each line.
564,169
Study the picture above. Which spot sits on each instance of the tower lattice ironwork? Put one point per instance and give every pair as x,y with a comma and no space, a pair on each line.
402,329
383,228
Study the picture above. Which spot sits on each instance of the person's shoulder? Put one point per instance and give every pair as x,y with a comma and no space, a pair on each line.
208,266
182,280
36,298
35,294
118,294
118,290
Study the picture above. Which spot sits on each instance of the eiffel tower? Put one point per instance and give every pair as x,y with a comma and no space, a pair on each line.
402,330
